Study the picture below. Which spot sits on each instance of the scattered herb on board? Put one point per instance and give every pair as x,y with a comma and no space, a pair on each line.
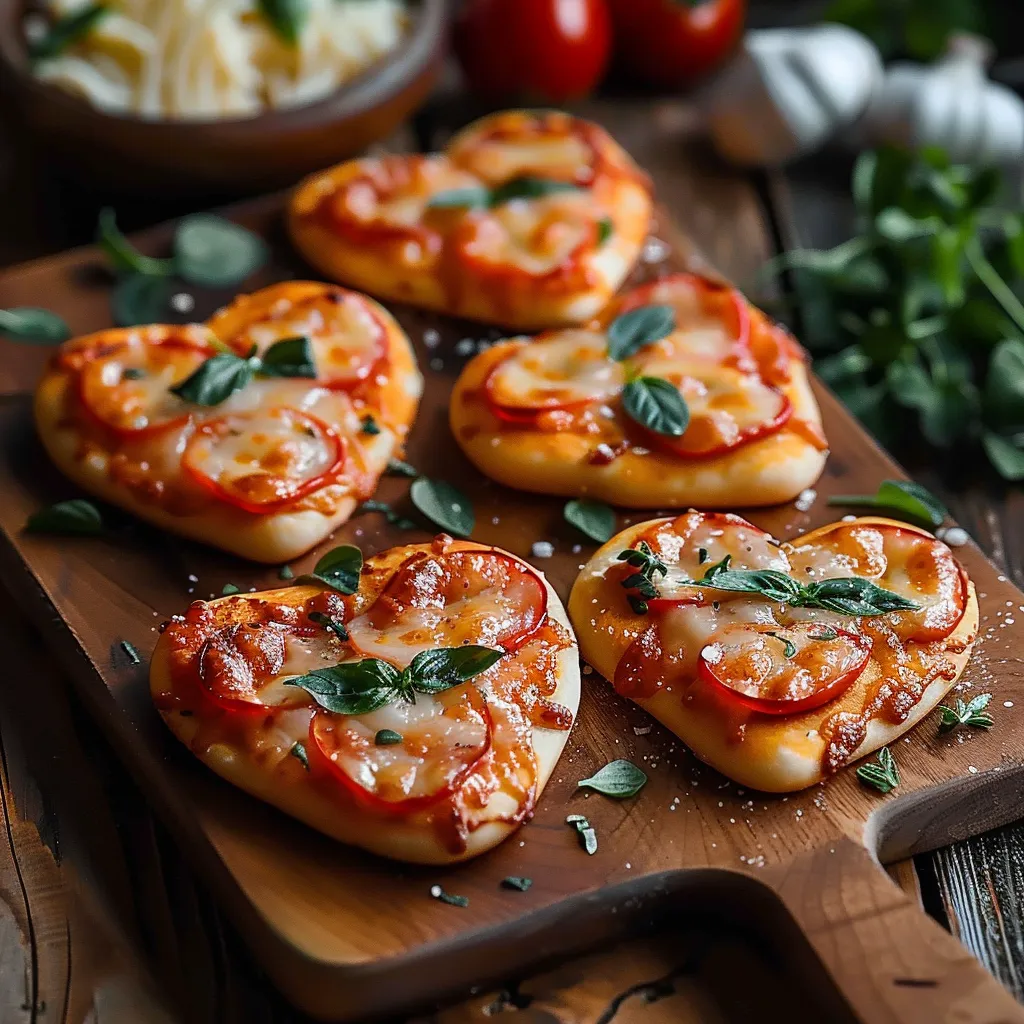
903,496
444,505
387,738
970,712
648,565
66,31
31,324
369,426
298,751
286,573
516,882
398,467
447,897
331,624
359,687
73,518
585,832
137,299
594,519
122,255
629,332
228,589
656,404
131,653
620,779
883,774
394,518
916,322
788,647
339,569
525,187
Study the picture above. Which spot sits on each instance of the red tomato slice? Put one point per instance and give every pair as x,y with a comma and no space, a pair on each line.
774,349
728,409
126,388
712,319
561,370
445,600
444,738
264,460
347,333
903,560
783,670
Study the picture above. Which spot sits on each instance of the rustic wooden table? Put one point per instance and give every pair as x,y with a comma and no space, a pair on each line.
100,918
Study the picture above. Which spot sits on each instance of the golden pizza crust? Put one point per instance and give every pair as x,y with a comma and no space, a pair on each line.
775,755
272,538
278,778
768,471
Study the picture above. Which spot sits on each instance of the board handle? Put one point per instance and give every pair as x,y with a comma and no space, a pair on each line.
891,962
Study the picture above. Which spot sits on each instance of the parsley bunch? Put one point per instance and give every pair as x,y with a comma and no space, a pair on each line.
917,320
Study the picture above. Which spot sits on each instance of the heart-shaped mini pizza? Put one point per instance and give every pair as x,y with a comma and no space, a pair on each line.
527,220
680,394
414,706
258,432
778,664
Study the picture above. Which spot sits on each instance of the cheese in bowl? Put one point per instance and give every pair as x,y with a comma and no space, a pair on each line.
208,59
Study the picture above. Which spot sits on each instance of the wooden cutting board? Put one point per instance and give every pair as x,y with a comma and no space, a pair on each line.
347,936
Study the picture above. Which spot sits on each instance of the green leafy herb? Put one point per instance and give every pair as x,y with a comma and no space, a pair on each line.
585,832
123,256
788,647
387,737
883,774
131,652
66,31
289,357
29,323
629,332
903,496
369,426
217,253
594,519
218,377
516,882
298,751
450,898
620,779
702,555
359,687
826,633
605,230
330,623
444,505
396,467
74,518
526,187
394,518
139,299
285,573
656,404
648,565
340,568
228,589
970,712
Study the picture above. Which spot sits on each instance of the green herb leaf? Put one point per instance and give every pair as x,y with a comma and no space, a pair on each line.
529,187
605,230
788,647
289,357
1005,455
123,256
628,333
217,378
340,568
971,712
516,882
369,426
853,596
298,751
460,198
619,778
594,519
353,688
826,633
138,299
74,518
903,496
285,573
29,323
396,467
656,404
330,623
883,774
450,898
131,652
585,831
387,737
444,505
444,667
394,518
228,589
67,31
215,252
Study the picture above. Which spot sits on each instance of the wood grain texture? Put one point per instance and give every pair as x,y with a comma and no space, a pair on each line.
692,843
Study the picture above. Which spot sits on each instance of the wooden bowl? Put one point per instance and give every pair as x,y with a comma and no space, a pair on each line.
254,154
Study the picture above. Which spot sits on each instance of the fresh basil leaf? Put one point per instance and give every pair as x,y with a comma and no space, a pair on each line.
215,252
139,299
66,31
396,467
971,712
1004,384
769,583
948,265
74,518
216,379
516,882
394,518
387,738
605,230
853,596
656,404
330,623
620,779
354,687
444,505
910,383
285,573
1005,456
529,187
298,751
896,225
902,496
883,774
29,323
628,333
289,357
229,589
123,256
340,568
594,519
460,198
444,667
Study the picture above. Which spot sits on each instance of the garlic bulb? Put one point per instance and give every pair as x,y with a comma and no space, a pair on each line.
789,90
951,104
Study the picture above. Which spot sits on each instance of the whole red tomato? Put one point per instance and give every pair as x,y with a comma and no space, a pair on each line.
672,43
550,50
